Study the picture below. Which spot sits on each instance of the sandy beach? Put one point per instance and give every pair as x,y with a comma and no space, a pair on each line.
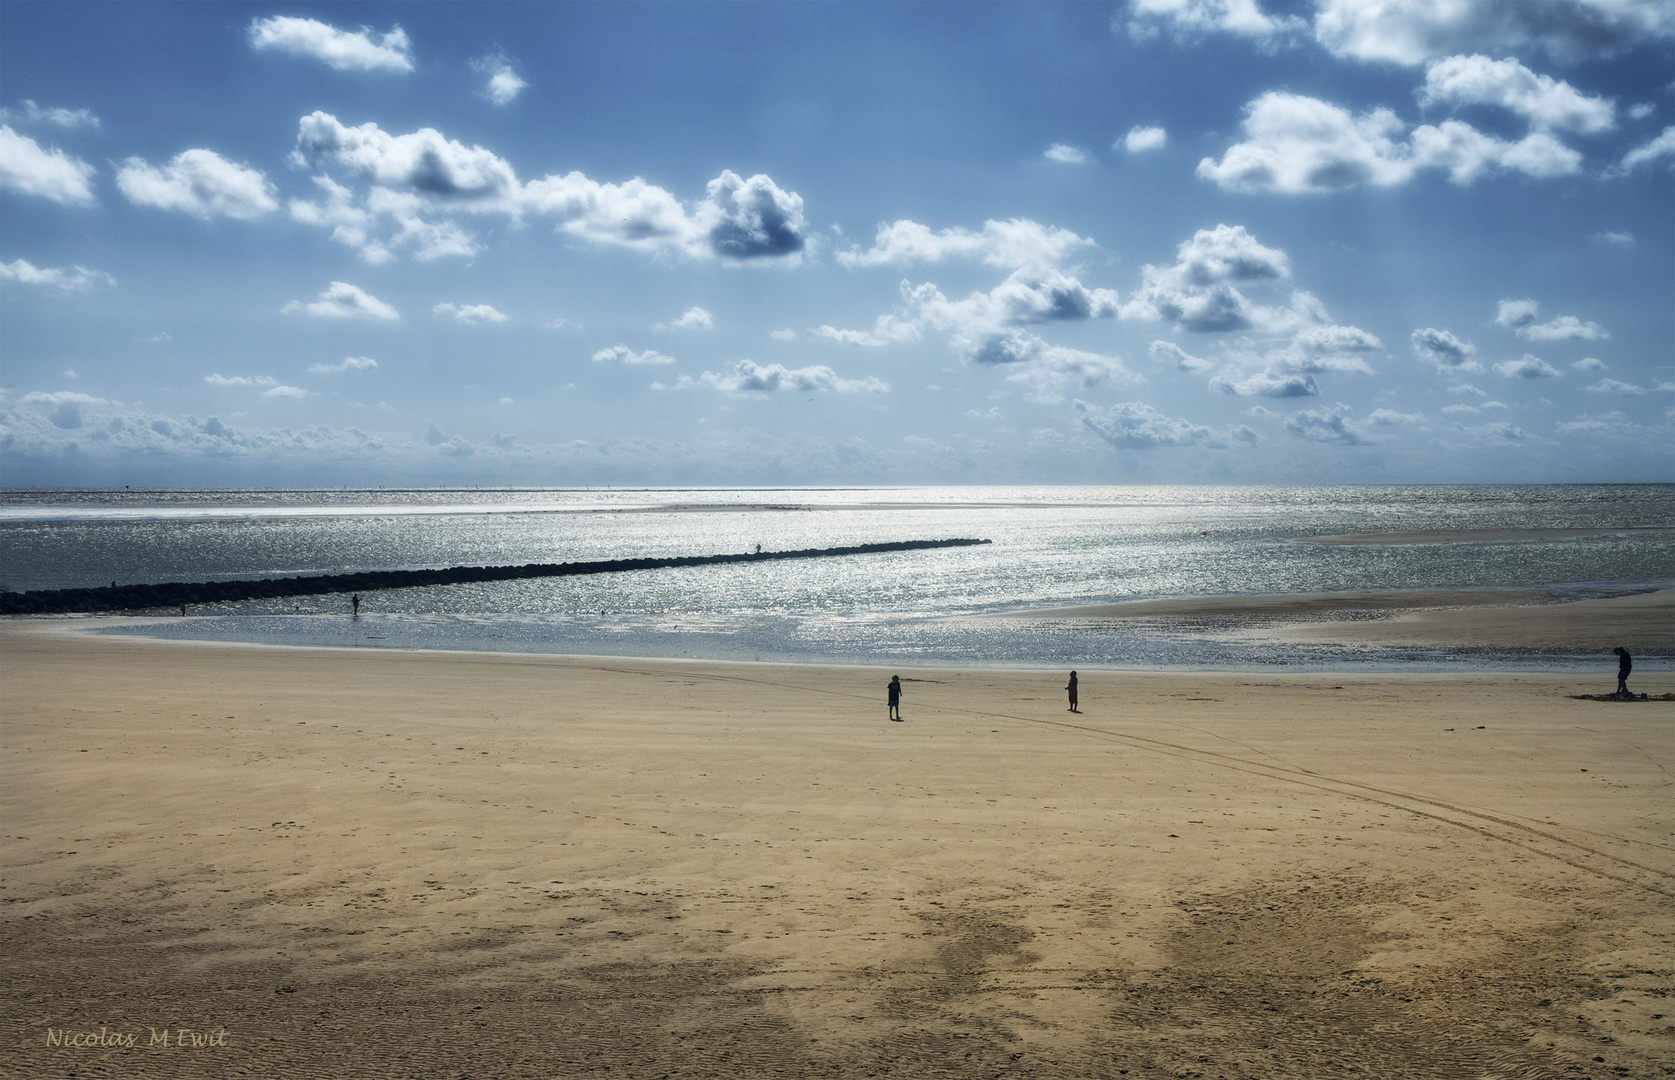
345,863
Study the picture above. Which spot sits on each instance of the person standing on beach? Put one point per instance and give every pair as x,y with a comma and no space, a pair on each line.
894,692
356,601
1072,689
1625,664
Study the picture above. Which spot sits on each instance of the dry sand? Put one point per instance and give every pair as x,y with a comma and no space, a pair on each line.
371,864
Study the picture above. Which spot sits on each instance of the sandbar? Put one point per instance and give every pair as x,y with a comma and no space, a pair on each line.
355,863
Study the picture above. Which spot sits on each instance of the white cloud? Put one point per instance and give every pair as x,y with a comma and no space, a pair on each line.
198,182
1326,426
1046,370
693,318
1526,367
74,279
739,219
504,85
1460,410
67,415
1622,389
1545,103
219,379
1409,32
424,162
622,354
1390,418
1466,390
1199,292
1589,363
1615,239
1301,145
343,301
1188,19
30,113
1522,318
1065,154
475,314
339,49
783,335
1141,139
1167,352
1016,244
350,363
51,174
1661,147
352,225
286,392
1134,425
748,378
1265,383
1447,352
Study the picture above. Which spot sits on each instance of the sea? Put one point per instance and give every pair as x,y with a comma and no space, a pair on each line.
1051,547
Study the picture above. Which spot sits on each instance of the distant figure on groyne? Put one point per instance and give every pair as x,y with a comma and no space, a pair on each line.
356,602
894,693
1072,690
1625,664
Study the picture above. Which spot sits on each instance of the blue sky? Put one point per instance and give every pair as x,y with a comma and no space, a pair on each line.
1160,241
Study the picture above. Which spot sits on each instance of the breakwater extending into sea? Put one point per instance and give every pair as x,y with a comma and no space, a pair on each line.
116,597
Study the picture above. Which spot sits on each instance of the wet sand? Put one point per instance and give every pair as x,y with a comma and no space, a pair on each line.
344,863
1643,622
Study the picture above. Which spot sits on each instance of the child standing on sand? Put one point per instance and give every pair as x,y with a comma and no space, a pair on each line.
894,691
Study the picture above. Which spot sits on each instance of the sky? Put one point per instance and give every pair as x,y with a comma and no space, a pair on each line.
1155,241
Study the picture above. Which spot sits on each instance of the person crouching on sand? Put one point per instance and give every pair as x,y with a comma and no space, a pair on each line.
895,697
1072,689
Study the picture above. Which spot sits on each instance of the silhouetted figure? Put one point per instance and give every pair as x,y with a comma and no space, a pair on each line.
1625,664
1072,690
894,691
356,601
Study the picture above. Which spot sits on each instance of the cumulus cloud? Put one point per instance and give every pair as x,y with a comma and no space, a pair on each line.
342,300
1661,147
1589,363
783,335
350,363
66,413
425,161
1546,103
749,379
1623,389
198,182
1301,145
50,174
1199,292
1167,352
739,219
353,225
1141,139
1189,19
1134,425
475,314
1409,32
218,379
1390,418
1614,239
1523,317
339,49
1265,383
1046,371
693,318
622,354
1326,426
503,85
1526,367
1065,154
30,113
75,279
1447,352
286,392
1012,245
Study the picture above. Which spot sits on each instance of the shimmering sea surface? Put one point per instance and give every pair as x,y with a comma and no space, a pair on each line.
1052,547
